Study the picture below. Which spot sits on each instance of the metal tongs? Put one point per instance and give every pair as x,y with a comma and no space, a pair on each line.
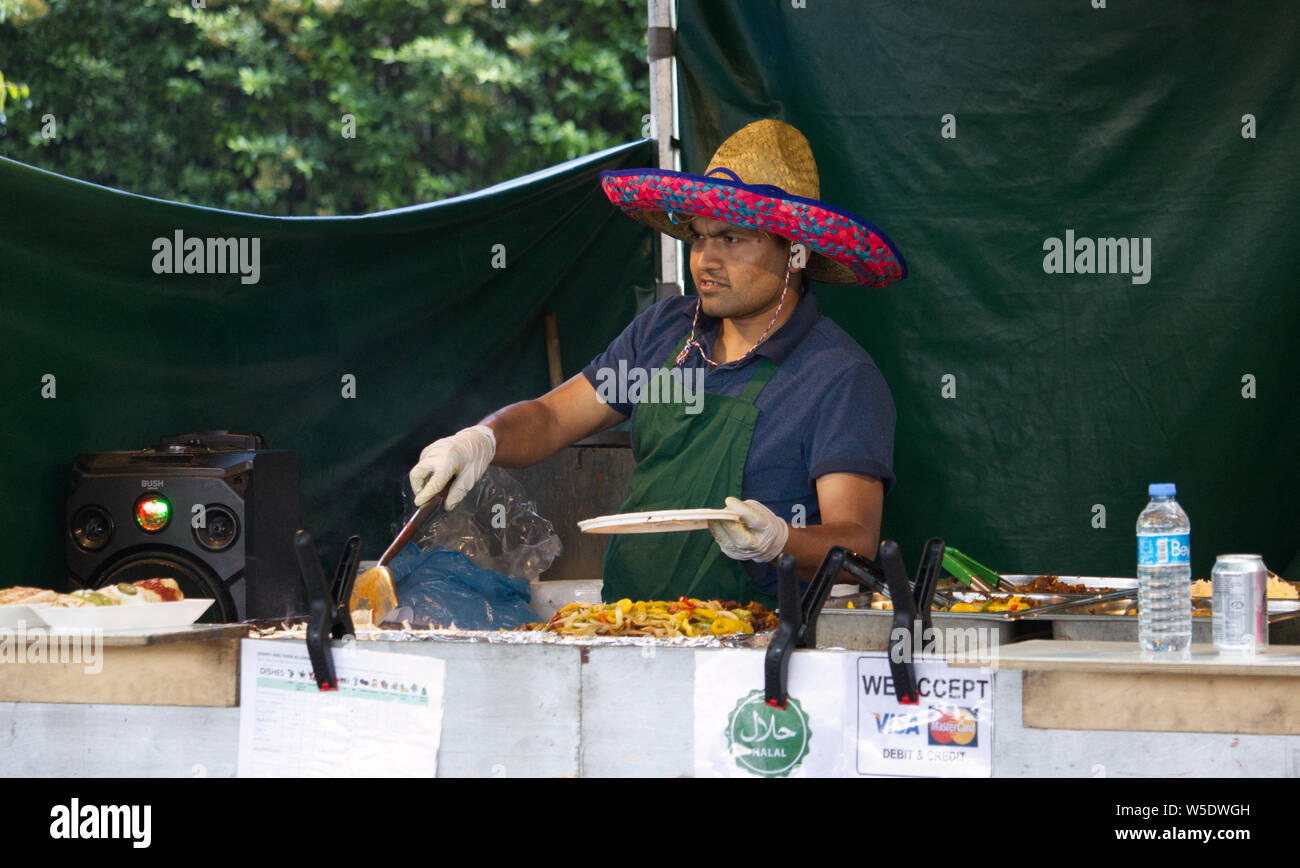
328,604
798,625
971,572
1066,605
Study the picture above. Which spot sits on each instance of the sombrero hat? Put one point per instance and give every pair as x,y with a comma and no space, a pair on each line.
762,177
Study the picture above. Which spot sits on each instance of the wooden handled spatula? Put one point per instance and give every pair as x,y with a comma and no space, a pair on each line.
374,589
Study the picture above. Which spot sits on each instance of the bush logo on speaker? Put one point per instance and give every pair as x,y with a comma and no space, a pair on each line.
765,740
954,726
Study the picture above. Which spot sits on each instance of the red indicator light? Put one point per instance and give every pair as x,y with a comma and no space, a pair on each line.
152,512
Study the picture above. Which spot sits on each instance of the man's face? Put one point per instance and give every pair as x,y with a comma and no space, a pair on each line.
738,272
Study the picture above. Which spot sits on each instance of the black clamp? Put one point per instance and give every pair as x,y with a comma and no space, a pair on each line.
328,605
789,633
927,577
797,627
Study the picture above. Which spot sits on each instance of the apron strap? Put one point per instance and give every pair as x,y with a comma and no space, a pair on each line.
764,371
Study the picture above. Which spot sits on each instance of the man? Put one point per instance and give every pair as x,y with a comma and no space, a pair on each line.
795,429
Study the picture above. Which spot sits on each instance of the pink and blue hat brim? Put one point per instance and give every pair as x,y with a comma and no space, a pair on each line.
668,200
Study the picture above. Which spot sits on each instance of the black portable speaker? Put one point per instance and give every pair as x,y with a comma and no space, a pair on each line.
215,511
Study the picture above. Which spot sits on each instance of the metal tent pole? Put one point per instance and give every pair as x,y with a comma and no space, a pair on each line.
663,128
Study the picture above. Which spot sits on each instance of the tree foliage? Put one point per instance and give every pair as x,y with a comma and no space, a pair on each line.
301,107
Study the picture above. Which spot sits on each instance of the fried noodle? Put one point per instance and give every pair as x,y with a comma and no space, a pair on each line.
658,618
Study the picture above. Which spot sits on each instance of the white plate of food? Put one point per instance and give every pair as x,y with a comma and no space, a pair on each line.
146,604
16,605
13,617
657,521
152,616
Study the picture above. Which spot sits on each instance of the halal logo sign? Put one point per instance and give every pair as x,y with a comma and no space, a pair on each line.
765,740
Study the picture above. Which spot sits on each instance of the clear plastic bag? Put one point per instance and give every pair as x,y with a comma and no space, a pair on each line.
471,566
497,527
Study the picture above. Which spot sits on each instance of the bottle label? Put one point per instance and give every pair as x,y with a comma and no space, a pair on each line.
1164,549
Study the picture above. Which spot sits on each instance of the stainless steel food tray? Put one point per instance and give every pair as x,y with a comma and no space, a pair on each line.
869,629
1114,582
1106,622
1088,581
863,629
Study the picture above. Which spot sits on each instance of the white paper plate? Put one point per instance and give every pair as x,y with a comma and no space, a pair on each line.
12,616
146,616
657,521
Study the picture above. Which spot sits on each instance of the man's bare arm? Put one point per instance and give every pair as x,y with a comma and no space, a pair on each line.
532,431
851,506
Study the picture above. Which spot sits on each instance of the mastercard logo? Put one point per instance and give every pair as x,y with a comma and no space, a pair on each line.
955,726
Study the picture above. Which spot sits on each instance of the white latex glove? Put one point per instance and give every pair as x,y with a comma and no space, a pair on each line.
759,535
464,455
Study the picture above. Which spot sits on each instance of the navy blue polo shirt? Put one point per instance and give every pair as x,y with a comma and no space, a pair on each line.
827,409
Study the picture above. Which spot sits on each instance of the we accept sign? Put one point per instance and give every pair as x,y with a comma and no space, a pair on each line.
842,718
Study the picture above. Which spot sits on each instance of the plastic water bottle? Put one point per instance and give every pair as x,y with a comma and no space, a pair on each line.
1164,573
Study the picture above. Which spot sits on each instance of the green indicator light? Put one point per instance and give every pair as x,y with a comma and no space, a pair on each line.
152,512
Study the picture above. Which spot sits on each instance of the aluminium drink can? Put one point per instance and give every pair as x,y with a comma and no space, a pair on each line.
1240,604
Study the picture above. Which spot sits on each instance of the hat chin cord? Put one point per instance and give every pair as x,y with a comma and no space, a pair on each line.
692,341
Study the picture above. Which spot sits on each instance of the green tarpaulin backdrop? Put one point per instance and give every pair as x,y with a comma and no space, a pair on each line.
1068,393
1072,391
408,302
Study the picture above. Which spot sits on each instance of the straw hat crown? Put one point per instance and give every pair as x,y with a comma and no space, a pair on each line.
770,152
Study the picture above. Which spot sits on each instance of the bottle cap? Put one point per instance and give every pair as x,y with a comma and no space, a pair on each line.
1162,489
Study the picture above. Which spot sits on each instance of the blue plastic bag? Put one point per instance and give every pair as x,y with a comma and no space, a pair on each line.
444,587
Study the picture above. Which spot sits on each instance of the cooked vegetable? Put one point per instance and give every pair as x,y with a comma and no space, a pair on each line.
1054,585
95,598
685,617
994,604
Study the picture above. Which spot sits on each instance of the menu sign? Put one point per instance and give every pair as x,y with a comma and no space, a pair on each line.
385,719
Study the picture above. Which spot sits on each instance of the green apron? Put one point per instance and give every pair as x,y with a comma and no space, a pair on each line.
686,461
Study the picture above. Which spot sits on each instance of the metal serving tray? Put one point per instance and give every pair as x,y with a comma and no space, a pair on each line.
864,629
1039,599
1097,582
1275,604
1107,622
869,629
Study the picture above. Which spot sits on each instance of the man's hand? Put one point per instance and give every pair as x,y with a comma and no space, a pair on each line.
464,455
759,535
516,436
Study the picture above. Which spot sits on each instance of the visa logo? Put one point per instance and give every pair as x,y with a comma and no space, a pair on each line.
897,724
